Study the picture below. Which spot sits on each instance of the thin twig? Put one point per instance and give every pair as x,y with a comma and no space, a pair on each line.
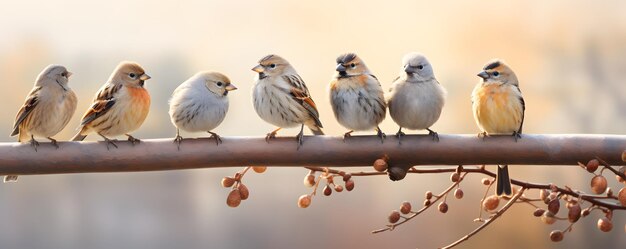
481,227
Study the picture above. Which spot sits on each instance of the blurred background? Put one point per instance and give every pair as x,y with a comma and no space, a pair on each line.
570,57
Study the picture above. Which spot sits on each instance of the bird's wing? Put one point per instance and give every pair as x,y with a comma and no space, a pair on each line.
300,93
521,99
31,101
102,103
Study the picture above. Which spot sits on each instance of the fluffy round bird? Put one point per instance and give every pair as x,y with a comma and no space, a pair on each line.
356,96
498,108
282,99
119,107
416,97
48,108
200,104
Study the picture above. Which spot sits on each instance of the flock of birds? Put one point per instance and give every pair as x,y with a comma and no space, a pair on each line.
280,97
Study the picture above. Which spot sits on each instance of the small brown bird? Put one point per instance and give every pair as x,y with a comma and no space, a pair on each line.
499,109
47,109
119,107
282,99
356,96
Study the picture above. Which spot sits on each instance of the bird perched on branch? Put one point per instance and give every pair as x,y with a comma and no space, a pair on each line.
48,108
282,99
120,106
356,96
416,97
200,104
499,109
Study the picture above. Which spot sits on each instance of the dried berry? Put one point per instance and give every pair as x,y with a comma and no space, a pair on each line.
454,177
619,178
443,207
405,208
485,181
327,190
428,195
228,182
394,216
347,177
458,193
309,180
585,212
556,236
539,212
380,165
491,203
573,213
234,198
304,201
259,169
592,165
554,206
426,202
350,185
243,191
604,224
621,196
548,218
459,169
609,192
338,188
598,184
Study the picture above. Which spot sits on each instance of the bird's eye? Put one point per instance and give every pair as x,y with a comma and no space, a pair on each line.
273,65
64,74
496,73
420,67
132,75
352,65
219,83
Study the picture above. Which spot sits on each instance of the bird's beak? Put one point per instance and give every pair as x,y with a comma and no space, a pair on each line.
69,74
483,75
340,68
144,77
258,69
409,69
230,87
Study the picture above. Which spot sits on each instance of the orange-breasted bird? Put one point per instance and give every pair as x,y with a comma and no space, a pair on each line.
499,109
119,107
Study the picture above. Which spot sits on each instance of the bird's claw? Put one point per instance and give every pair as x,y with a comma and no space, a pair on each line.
34,144
54,142
178,140
381,135
399,135
434,134
517,135
133,140
347,135
218,139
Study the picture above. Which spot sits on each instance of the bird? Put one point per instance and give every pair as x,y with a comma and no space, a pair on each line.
119,107
356,96
416,98
282,99
200,104
498,108
47,109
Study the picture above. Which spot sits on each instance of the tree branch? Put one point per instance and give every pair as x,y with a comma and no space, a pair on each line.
162,154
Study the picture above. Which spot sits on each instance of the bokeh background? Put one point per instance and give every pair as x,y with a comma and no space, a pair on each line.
570,57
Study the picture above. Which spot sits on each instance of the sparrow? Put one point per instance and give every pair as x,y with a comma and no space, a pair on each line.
499,108
200,104
356,96
281,98
48,108
119,107
416,98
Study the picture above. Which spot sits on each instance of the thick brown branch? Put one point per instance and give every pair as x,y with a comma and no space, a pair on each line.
162,154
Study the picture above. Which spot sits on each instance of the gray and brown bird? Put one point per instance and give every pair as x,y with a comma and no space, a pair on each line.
356,96
119,107
499,108
282,99
200,104
48,108
416,98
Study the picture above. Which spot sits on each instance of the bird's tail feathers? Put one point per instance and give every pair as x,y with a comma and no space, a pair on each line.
503,182
317,132
79,137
